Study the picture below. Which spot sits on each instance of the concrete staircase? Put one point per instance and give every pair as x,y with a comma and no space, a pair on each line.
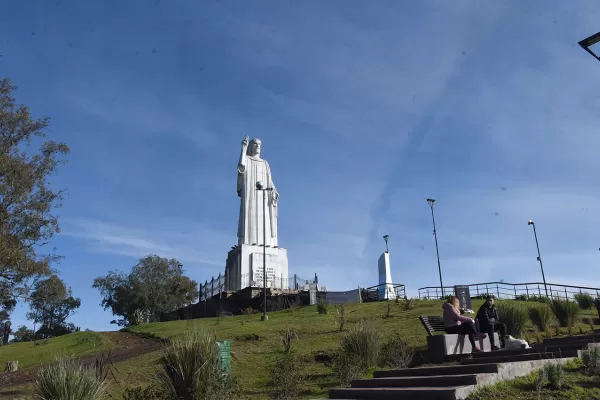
453,382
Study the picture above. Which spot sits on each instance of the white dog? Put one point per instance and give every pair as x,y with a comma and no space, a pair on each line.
515,344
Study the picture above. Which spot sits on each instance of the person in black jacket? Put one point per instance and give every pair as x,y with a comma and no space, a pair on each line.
489,322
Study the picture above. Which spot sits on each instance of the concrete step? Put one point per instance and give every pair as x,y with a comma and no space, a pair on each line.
538,349
438,370
417,381
567,346
573,339
590,337
520,357
502,353
416,393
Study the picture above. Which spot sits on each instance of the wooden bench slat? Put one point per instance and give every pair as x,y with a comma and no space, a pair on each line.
432,324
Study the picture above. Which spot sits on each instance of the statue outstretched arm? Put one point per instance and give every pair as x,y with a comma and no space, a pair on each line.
242,166
242,163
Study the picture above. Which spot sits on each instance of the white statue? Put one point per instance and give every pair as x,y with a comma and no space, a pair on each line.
253,169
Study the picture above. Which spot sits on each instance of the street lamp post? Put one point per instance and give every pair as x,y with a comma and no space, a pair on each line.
431,202
589,42
386,237
530,222
259,186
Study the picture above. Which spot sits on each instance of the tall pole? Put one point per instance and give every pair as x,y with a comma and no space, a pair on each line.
264,316
539,256
437,250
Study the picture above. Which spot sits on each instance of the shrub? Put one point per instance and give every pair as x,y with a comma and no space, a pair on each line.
139,393
388,313
540,381
340,317
585,300
396,353
364,342
591,361
286,338
541,316
322,307
532,298
67,380
539,299
408,304
566,312
515,316
190,369
555,373
287,378
347,367
597,304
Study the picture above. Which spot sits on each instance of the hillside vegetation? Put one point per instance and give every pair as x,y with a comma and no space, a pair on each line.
255,344
75,344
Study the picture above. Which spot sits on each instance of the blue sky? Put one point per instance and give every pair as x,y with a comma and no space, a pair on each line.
364,108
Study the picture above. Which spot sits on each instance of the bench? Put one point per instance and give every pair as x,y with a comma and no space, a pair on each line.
439,346
432,324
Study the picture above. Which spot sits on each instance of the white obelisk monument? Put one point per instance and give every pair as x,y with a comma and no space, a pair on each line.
244,265
385,291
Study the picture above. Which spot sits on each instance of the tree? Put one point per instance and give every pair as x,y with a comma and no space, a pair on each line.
23,334
50,305
27,201
155,285
6,331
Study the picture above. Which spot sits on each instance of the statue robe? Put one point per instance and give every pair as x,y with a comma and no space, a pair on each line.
250,225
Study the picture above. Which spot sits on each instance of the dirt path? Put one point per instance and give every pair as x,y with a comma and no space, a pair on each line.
126,346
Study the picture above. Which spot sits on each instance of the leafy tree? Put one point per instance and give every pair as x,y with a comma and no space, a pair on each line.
23,334
27,201
6,331
50,305
56,330
155,285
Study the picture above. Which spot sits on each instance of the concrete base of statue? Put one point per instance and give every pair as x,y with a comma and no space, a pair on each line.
245,267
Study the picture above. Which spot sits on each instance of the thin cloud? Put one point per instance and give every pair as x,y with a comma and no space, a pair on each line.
110,238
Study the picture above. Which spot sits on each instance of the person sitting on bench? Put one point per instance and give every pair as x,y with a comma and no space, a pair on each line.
489,322
454,323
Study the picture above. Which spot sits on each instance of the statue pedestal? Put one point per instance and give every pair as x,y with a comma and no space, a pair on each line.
385,291
244,267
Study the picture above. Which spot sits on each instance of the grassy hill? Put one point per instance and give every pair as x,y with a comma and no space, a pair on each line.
254,343
30,353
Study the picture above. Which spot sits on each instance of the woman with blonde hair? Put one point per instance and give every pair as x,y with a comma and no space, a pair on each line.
455,323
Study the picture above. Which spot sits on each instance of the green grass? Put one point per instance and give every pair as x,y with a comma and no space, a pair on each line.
316,333
76,344
579,386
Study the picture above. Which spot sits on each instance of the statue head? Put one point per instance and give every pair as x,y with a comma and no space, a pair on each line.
254,147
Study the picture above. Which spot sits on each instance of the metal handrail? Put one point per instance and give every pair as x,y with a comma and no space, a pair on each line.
372,292
511,290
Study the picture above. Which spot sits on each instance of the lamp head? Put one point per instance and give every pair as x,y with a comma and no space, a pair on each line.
259,185
386,237
530,222
587,44
430,201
